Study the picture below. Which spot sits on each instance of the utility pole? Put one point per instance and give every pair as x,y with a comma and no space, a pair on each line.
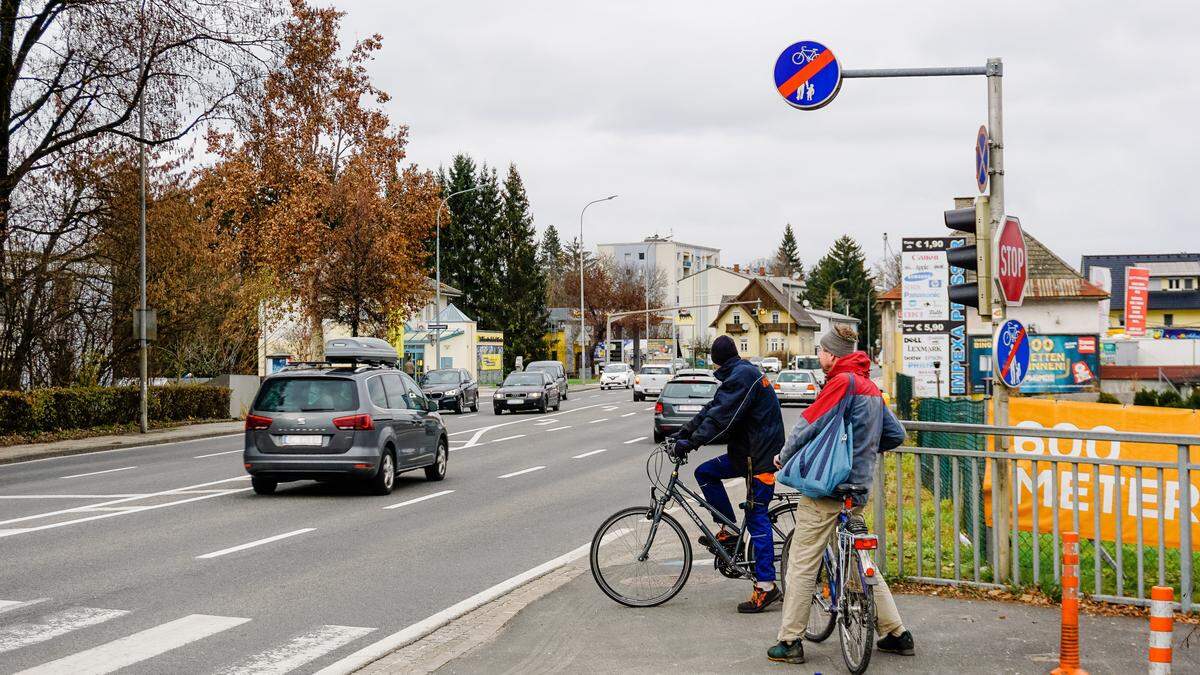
582,312
143,346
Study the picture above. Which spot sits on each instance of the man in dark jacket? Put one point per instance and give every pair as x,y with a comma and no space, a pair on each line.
746,414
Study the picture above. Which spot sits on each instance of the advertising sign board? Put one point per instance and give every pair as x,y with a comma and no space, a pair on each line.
1137,300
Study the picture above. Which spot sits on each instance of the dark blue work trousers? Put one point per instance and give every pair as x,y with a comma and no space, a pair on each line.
709,475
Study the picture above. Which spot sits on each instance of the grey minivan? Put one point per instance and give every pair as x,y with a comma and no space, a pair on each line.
325,421
556,371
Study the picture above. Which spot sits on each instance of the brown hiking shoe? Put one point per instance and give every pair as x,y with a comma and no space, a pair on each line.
724,537
759,600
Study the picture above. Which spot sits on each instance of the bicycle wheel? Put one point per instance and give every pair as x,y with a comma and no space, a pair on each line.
783,522
856,623
821,616
616,550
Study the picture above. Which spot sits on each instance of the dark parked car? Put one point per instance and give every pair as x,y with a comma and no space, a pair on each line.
679,402
356,417
529,390
556,371
451,388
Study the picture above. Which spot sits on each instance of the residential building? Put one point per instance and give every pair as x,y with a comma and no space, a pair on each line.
1059,301
674,259
772,326
1174,300
704,292
562,342
827,320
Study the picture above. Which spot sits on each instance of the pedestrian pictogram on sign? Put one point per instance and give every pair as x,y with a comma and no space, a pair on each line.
807,75
981,158
1012,353
1012,261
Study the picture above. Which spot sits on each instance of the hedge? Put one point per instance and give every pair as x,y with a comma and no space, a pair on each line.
66,408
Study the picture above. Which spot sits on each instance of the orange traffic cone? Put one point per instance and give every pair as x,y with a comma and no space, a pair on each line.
1068,652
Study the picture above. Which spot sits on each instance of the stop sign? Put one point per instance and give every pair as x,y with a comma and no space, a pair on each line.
1012,261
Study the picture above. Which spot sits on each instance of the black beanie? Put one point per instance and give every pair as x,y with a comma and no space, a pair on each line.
723,350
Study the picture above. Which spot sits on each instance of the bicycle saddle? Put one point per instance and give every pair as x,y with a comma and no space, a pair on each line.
849,490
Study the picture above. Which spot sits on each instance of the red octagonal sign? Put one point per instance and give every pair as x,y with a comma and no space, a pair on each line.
1012,261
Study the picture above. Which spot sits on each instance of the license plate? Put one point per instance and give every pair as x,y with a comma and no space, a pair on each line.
302,440
516,401
690,408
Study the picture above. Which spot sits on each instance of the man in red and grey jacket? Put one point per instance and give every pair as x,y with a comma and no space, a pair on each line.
875,430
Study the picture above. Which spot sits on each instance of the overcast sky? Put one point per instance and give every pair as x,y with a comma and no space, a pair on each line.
672,106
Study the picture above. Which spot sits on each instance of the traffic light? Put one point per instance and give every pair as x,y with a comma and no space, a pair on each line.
977,257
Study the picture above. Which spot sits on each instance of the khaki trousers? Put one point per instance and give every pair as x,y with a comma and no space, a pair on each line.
816,520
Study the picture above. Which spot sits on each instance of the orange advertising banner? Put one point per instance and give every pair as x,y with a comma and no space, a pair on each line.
1137,299
1115,494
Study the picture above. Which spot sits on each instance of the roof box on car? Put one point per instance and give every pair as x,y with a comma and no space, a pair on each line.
360,350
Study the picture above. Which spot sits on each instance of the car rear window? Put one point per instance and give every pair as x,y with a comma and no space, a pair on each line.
795,377
656,370
808,362
704,390
307,394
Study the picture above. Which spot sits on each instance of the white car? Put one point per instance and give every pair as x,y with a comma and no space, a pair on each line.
650,380
771,365
796,386
616,376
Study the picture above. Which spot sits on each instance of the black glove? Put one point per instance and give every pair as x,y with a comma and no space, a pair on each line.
681,448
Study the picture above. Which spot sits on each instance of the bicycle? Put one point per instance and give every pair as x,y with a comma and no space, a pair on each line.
648,568
804,55
844,595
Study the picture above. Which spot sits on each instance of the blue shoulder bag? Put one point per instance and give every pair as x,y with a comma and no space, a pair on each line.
825,461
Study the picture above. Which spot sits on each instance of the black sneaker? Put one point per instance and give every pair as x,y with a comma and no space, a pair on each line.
759,600
897,644
787,652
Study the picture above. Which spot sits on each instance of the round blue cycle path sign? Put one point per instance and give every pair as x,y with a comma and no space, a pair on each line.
1011,361
807,75
981,158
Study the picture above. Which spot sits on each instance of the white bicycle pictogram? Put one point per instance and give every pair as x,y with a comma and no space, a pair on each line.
1009,336
805,55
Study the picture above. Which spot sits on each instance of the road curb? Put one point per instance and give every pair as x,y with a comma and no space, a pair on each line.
410,634
23,453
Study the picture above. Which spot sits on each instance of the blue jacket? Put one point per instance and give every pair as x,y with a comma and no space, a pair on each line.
875,427
744,413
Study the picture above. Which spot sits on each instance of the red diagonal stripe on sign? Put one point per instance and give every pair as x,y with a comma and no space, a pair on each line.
1012,355
805,74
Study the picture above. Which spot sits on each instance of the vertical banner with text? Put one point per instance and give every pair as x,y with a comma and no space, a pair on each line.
1137,300
933,341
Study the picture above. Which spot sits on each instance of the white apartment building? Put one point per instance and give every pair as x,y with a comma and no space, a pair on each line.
674,259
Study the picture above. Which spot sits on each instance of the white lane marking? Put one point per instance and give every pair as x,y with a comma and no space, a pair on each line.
132,447
545,423
463,417
635,440
299,651
14,605
507,438
629,414
97,473
602,419
558,428
102,516
54,625
589,454
218,454
610,408
648,409
172,491
252,544
128,494
420,629
138,647
418,499
523,420
594,396
124,499
518,473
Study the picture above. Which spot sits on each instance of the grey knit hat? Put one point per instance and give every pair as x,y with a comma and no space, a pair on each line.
837,345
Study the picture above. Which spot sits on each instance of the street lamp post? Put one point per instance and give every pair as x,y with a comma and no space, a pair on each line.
582,314
437,303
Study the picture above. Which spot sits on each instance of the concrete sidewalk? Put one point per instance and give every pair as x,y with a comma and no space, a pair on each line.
575,628
18,453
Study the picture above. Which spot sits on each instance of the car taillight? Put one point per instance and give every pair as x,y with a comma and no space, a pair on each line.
811,388
776,386
256,422
658,408
866,543
355,422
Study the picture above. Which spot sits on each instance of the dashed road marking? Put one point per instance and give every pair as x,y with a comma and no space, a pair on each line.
635,440
418,499
629,414
648,409
557,428
252,544
602,419
299,651
218,454
522,471
589,454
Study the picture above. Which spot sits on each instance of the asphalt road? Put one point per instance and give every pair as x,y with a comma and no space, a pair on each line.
161,559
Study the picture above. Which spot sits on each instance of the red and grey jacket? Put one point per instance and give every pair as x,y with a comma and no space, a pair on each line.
875,427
